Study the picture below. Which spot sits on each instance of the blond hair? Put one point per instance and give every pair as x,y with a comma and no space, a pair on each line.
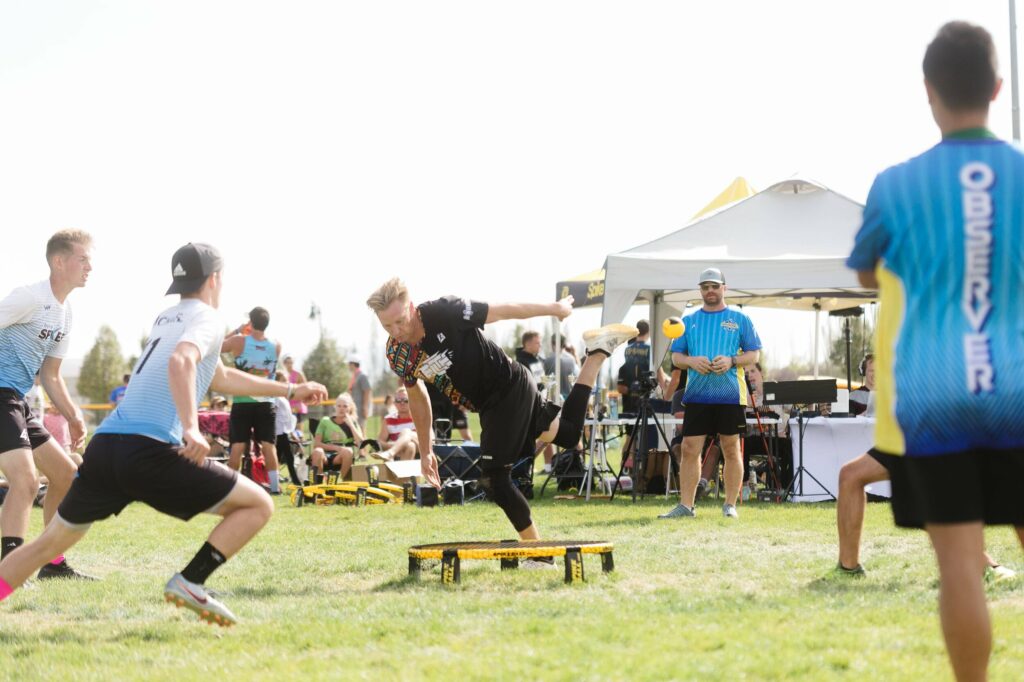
344,397
392,290
62,243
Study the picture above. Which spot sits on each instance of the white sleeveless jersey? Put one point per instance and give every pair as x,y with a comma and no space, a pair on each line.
147,408
35,325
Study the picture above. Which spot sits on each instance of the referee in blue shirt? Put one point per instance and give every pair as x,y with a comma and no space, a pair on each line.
718,343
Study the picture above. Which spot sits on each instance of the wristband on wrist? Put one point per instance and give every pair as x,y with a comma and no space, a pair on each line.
291,389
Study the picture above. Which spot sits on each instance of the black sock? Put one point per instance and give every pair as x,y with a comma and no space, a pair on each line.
9,544
575,407
207,560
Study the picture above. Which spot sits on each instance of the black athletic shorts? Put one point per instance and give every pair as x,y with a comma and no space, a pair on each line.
706,420
20,427
329,464
510,426
963,487
904,512
252,421
118,469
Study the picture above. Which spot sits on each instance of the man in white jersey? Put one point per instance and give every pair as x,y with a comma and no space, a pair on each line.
34,325
150,448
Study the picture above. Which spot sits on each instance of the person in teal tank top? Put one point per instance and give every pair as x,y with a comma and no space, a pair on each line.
252,418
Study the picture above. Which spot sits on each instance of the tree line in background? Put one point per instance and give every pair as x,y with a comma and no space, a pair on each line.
104,366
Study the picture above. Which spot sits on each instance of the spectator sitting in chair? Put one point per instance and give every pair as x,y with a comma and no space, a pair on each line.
398,433
337,438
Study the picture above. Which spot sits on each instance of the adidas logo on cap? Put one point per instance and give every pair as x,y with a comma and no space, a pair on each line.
179,271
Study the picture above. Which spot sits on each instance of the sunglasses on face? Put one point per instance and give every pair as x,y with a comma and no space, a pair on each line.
401,400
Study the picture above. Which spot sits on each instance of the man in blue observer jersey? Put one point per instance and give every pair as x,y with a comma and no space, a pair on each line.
941,241
150,448
718,343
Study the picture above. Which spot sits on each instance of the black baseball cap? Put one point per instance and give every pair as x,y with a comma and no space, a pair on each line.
191,265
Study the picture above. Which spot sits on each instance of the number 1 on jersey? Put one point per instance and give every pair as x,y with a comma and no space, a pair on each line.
148,350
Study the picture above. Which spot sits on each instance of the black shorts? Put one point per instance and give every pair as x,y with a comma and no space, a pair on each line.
509,427
329,464
20,427
252,421
904,512
963,487
707,420
118,469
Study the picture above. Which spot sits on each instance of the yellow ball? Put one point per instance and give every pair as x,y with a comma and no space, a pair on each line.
673,327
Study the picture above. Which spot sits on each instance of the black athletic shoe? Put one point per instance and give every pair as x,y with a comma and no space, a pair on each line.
62,570
855,572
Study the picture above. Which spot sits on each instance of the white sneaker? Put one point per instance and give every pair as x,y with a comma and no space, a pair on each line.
197,598
999,573
609,337
678,512
729,511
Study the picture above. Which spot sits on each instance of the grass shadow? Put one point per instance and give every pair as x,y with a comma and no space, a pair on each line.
271,590
841,584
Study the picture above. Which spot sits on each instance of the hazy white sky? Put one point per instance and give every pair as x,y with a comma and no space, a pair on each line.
480,148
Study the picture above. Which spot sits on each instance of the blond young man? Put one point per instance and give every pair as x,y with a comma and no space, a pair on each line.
442,341
35,322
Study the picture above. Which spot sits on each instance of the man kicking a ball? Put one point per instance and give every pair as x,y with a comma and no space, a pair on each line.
150,448
442,342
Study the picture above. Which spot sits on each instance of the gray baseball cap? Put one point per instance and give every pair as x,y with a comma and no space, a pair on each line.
711,275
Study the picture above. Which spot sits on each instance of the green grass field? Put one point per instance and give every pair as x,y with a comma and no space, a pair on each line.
323,593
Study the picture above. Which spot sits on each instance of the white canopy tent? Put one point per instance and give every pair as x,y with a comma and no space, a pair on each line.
783,247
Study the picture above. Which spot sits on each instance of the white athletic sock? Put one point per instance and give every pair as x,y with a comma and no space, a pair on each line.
275,485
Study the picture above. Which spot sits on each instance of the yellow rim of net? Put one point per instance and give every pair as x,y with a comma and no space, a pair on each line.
509,550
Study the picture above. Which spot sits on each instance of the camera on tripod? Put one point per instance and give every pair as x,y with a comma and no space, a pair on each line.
644,384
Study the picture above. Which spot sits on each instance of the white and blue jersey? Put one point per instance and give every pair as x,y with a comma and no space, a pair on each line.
710,334
944,234
147,408
34,325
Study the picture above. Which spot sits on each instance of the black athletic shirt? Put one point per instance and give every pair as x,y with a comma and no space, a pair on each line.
455,346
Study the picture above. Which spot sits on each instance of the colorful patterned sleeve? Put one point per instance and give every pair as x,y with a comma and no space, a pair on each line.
403,357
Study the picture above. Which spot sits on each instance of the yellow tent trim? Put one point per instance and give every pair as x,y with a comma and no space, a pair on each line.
738,189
